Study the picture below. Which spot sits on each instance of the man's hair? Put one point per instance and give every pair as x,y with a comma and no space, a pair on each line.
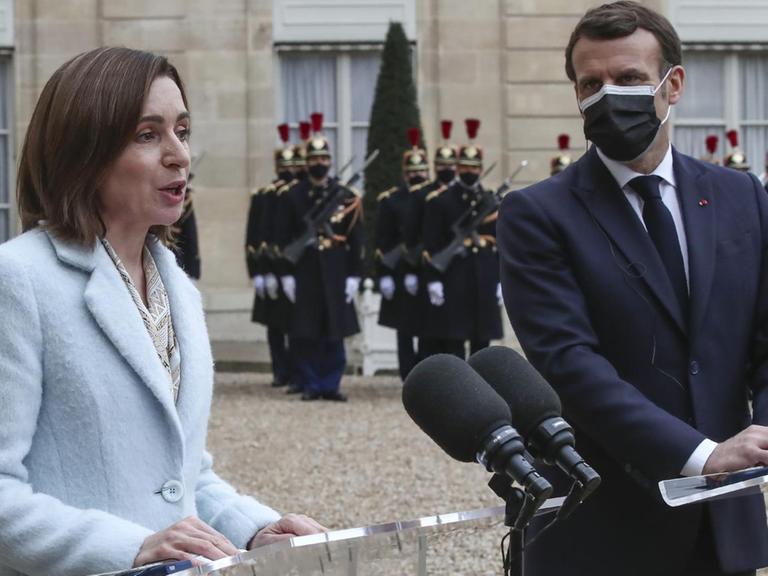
621,19
85,117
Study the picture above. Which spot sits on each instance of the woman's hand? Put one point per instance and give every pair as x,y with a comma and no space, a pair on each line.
288,526
184,540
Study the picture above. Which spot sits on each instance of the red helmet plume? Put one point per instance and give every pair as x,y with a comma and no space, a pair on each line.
473,125
563,141
445,128
733,137
304,130
414,135
284,131
711,143
317,121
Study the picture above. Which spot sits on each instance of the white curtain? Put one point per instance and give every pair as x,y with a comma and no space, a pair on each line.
4,184
703,101
753,73
308,84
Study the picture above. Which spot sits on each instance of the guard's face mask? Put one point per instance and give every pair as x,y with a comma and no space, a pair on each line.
318,171
415,180
446,175
469,179
621,120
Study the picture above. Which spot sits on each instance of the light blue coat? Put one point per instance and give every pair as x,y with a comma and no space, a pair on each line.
89,433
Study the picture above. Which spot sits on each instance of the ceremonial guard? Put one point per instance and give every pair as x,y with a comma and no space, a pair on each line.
446,156
563,159
711,142
462,271
186,247
736,158
260,259
320,235
391,260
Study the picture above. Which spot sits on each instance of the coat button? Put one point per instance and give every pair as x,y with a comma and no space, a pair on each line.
172,491
694,367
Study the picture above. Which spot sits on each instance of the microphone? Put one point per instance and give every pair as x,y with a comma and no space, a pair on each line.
537,411
455,407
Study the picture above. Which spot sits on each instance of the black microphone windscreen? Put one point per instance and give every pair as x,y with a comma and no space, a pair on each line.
453,405
530,398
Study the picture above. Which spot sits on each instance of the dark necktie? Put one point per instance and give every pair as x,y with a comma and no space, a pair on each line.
661,227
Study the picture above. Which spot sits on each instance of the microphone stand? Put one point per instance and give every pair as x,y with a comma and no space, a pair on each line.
515,501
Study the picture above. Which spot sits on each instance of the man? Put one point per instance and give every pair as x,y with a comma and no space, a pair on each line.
416,305
563,159
323,281
645,304
260,261
397,304
464,298
736,158
186,249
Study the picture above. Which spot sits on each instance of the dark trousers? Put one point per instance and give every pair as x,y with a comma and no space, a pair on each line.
406,353
703,561
428,347
319,365
280,354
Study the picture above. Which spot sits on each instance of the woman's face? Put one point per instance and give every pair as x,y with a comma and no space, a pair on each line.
145,185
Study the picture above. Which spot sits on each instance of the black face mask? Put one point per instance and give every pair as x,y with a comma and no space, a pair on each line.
318,171
285,175
415,180
446,175
469,179
621,120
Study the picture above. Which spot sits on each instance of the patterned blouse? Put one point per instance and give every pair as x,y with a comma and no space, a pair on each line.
156,315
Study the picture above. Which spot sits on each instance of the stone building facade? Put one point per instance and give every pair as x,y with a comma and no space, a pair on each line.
498,60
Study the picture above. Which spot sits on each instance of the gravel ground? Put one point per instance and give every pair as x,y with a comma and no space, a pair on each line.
348,465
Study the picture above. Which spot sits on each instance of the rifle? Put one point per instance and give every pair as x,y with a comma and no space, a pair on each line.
314,220
343,169
466,227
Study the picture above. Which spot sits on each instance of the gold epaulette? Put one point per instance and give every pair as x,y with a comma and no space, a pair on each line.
435,193
256,191
418,186
386,194
287,186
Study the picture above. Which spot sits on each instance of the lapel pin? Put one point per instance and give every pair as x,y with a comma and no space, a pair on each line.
703,202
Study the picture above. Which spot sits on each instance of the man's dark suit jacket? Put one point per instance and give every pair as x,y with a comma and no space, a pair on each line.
596,314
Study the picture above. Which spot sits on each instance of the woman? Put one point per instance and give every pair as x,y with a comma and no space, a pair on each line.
105,366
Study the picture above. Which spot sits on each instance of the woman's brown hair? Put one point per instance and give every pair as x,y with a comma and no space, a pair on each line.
84,118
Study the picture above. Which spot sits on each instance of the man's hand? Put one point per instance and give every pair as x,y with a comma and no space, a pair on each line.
288,526
436,294
270,283
351,288
184,540
499,295
289,288
387,287
748,448
411,284
258,285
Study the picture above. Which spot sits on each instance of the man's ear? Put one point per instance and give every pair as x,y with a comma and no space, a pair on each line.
675,84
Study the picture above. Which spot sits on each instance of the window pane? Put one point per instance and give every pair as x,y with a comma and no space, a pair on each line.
4,78
703,96
308,83
364,72
755,147
4,168
691,140
359,148
753,72
4,231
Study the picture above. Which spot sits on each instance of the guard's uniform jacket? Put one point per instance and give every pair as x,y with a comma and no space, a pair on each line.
321,311
186,248
470,310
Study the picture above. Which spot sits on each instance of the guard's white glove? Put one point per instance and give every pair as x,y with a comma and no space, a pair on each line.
411,282
499,295
387,287
436,294
258,284
353,285
289,287
270,282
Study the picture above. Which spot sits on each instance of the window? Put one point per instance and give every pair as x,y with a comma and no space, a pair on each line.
6,218
341,85
724,89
